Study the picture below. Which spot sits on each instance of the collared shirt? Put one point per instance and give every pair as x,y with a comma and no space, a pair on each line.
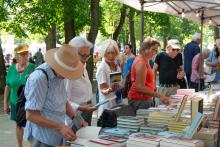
79,91
190,50
49,97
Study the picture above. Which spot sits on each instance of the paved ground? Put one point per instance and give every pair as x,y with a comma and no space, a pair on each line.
7,129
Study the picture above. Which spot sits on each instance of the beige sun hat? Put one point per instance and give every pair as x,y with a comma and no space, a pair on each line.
174,43
65,61
217,43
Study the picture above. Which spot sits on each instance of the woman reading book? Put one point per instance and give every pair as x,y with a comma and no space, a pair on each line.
142,77
108,65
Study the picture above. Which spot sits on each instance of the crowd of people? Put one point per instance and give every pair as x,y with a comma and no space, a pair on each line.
52,99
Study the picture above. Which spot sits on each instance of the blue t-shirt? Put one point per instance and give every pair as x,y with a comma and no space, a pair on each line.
190,50
127,67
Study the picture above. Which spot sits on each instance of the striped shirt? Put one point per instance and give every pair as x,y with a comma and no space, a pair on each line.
50,101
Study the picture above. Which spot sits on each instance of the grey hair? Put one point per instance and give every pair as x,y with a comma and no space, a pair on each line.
80,42
109,45
196,36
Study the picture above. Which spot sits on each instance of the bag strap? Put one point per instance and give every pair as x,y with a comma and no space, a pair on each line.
45,73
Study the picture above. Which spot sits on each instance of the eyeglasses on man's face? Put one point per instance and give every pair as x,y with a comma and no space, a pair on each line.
87,56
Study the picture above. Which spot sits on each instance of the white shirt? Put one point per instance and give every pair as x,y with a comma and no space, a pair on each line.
79,91
103,76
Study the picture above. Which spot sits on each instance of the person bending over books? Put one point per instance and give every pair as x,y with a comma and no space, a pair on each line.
108,66
79,92
142,77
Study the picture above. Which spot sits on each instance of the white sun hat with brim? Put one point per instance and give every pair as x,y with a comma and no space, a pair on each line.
65,61
174,43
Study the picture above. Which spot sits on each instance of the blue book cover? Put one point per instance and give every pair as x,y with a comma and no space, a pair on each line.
194,126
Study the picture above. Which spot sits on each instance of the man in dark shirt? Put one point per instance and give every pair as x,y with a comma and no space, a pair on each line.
169,65
190,50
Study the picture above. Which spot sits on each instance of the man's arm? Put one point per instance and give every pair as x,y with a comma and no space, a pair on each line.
36,117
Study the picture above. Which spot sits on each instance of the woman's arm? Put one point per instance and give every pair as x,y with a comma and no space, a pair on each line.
6,99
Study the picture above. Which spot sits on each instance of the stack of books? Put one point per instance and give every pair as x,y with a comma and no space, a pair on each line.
179,126
117,132
144,113
213,124
160,118
175,100
143,140
131,123
185,91
208,136
153,129
180,142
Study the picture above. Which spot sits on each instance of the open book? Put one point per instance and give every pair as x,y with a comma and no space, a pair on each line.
104,102
85,134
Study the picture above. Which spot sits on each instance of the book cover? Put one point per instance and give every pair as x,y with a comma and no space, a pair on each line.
145,138
117,131
104,102
181,108
115,77
196,106
182,141
113,138
194,126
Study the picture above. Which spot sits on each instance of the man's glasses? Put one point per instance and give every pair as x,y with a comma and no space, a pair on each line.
175,49
87,56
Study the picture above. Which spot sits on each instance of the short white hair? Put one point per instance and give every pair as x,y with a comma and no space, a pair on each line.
80,42
109,45
196,36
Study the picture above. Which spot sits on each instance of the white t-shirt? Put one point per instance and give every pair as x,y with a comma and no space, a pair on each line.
103,76
79,91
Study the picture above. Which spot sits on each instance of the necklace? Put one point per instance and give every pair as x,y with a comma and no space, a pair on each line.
20,68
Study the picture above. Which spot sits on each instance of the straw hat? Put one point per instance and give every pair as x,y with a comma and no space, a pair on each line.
65,61
21,48
217,43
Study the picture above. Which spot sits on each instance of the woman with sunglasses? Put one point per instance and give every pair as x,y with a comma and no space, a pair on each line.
17,76
142,78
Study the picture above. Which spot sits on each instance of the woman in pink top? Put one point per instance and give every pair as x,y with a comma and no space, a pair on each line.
142,77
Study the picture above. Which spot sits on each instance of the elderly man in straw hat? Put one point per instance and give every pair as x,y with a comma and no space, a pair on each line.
47,104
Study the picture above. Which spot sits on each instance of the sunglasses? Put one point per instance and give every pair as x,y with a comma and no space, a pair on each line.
87,56
175,49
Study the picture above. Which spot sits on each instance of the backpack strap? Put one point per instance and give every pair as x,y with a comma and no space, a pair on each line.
45,73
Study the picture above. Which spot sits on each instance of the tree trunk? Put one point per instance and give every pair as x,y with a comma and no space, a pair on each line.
121,23
94,8
50,39
164,42
69,28
216,33
131,29
2,71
